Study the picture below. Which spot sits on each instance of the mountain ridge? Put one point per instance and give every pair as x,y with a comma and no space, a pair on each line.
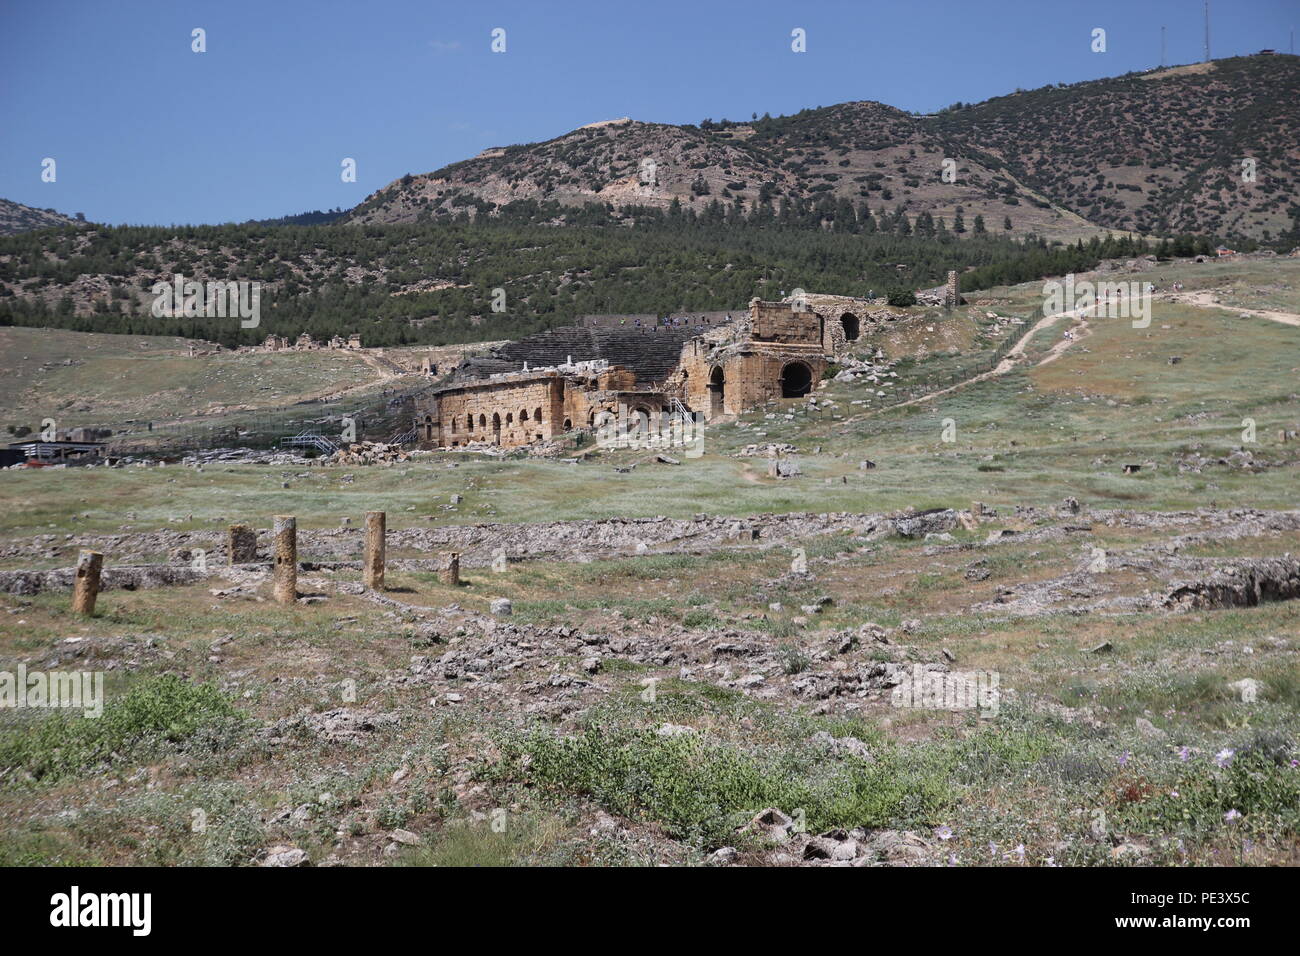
16,218
1150,152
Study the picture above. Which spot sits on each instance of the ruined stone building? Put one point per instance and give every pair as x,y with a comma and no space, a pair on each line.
564,379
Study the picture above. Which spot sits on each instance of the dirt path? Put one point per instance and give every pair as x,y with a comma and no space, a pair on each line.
1079,330
1206,300
1011,360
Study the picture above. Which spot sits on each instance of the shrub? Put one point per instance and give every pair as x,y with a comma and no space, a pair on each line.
155,711
701,791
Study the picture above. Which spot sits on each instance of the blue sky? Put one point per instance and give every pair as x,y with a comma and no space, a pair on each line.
146,131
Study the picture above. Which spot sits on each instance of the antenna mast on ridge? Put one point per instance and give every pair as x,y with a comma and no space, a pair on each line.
1207,31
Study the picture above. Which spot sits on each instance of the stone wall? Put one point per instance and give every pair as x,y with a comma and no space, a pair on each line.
518,408
778,322
846,319
779,354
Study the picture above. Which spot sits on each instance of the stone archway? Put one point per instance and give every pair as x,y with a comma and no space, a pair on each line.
852,326
796,380
717,392
496,428
638,423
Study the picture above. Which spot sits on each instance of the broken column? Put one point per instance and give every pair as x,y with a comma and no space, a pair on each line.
373,569
450,573
241,544
285,572
950,294
977,510
85,587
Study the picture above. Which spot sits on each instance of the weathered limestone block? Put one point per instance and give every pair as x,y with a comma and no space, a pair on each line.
85,588
373,568
450,573
242,544
285,573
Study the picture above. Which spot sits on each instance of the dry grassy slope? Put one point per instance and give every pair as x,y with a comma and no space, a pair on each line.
1121,153
78,378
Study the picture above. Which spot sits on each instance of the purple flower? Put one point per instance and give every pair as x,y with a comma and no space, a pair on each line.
1224,757
1183,753
1231,816
943,833
1123,758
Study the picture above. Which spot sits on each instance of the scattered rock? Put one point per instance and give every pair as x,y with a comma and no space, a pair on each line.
285,856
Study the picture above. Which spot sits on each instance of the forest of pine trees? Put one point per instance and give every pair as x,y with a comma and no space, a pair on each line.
336,279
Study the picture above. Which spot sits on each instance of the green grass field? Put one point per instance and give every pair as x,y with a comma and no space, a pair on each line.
1139,753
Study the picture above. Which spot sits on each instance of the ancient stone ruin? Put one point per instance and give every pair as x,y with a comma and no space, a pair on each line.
576,377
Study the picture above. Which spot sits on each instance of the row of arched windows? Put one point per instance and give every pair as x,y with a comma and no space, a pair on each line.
469,424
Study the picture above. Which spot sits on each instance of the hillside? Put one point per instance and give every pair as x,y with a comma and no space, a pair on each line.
78,378
1157,152
16,218
409,284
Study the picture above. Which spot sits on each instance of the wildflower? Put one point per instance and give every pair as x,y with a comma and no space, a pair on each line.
1184,753
1123,758
1231,816
943,833
1223,757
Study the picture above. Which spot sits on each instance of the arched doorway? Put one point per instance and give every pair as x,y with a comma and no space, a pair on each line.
496,428
852,327
796,380
717,392
638,424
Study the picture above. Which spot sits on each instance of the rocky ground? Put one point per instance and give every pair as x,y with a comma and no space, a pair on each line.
712,690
